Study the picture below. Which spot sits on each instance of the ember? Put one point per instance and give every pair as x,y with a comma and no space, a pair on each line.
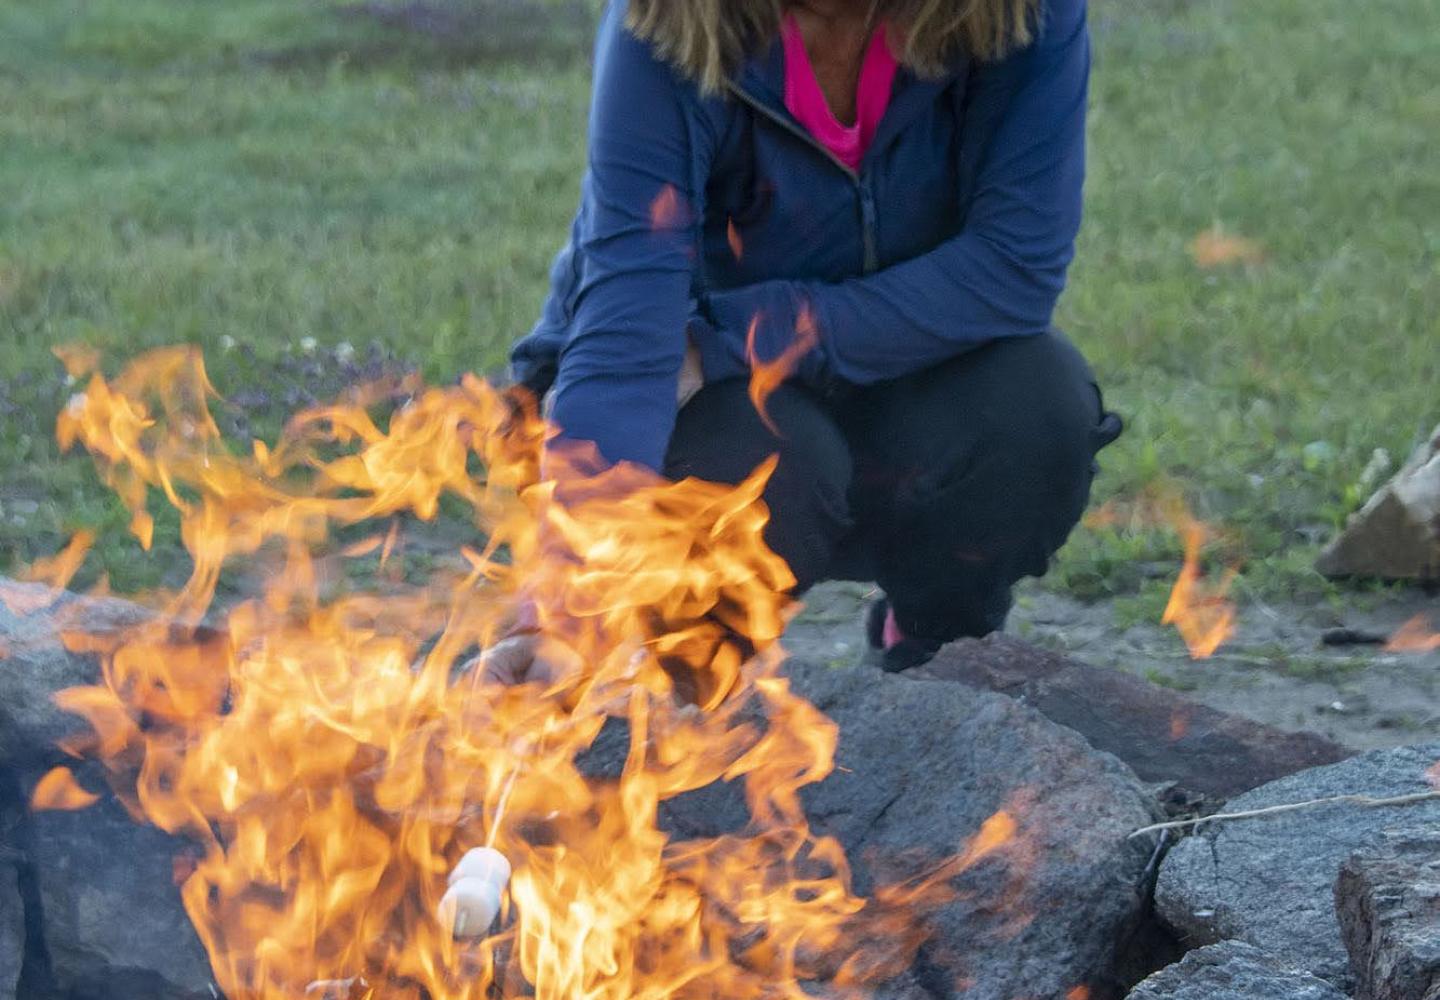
1199,607
767,375
59,790
336,766
1415,636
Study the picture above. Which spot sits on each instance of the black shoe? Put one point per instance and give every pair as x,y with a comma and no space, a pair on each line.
904,654
908,653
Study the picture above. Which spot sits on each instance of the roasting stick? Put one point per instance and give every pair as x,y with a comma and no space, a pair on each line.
469,906
501,806
477,883
472,901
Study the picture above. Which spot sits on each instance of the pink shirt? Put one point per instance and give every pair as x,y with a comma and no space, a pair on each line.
806,101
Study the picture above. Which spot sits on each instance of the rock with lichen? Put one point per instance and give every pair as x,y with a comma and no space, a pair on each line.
1270,880
1396,535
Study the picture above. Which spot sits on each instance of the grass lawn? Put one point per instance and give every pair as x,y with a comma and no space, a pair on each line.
252,175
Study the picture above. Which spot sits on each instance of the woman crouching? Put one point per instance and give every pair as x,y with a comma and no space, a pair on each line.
885,193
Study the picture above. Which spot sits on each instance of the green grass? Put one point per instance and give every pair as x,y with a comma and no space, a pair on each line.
1308,126
263,171
230,173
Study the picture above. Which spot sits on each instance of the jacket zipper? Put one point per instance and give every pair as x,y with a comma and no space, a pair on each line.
867,203
795,130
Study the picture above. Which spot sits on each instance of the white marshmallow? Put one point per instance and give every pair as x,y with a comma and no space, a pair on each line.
472,902
469,907
483,863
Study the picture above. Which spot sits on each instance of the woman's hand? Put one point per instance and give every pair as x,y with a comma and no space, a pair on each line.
692,378
515,660
509,661
524,658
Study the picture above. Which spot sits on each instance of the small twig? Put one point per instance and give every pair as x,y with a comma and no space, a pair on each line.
1352,637
1364,801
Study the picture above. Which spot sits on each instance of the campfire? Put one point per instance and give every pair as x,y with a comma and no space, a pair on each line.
349,808
373,819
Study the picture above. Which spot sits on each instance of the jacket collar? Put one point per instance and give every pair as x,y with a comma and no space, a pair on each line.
762,81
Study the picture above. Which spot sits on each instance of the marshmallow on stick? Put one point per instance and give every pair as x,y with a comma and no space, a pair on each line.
472,902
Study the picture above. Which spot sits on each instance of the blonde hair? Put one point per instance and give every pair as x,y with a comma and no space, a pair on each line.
708,39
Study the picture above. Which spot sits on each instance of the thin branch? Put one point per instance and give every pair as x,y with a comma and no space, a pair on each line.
1365,801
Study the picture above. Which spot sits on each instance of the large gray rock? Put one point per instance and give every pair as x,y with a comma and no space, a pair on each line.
112,919
36,665
12,929
109,911
1270,881
1233,970
903,987
1388,900
1203,753
1396,535
921,765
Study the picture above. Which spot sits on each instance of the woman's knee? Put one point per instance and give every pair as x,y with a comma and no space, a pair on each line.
990,458
1024,414
1047,401
1046,413
720,437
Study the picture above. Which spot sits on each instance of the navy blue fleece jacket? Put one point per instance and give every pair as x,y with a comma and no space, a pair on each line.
702,213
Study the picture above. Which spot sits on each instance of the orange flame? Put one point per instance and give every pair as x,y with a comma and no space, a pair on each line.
78,359
995,833
1179,725
667,210
1200,610
1415,636
737,245
1107,515
363,547
1215,248
59,790
58,570
767,376
333,764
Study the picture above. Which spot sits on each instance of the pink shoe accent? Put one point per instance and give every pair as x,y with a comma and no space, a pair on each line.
890,634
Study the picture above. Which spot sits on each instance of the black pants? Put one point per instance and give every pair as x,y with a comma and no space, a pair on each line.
944,487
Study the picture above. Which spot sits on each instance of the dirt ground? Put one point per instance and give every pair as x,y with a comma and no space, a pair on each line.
1275,670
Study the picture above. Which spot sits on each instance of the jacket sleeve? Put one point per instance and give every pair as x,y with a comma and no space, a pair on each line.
1000,276
636,239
